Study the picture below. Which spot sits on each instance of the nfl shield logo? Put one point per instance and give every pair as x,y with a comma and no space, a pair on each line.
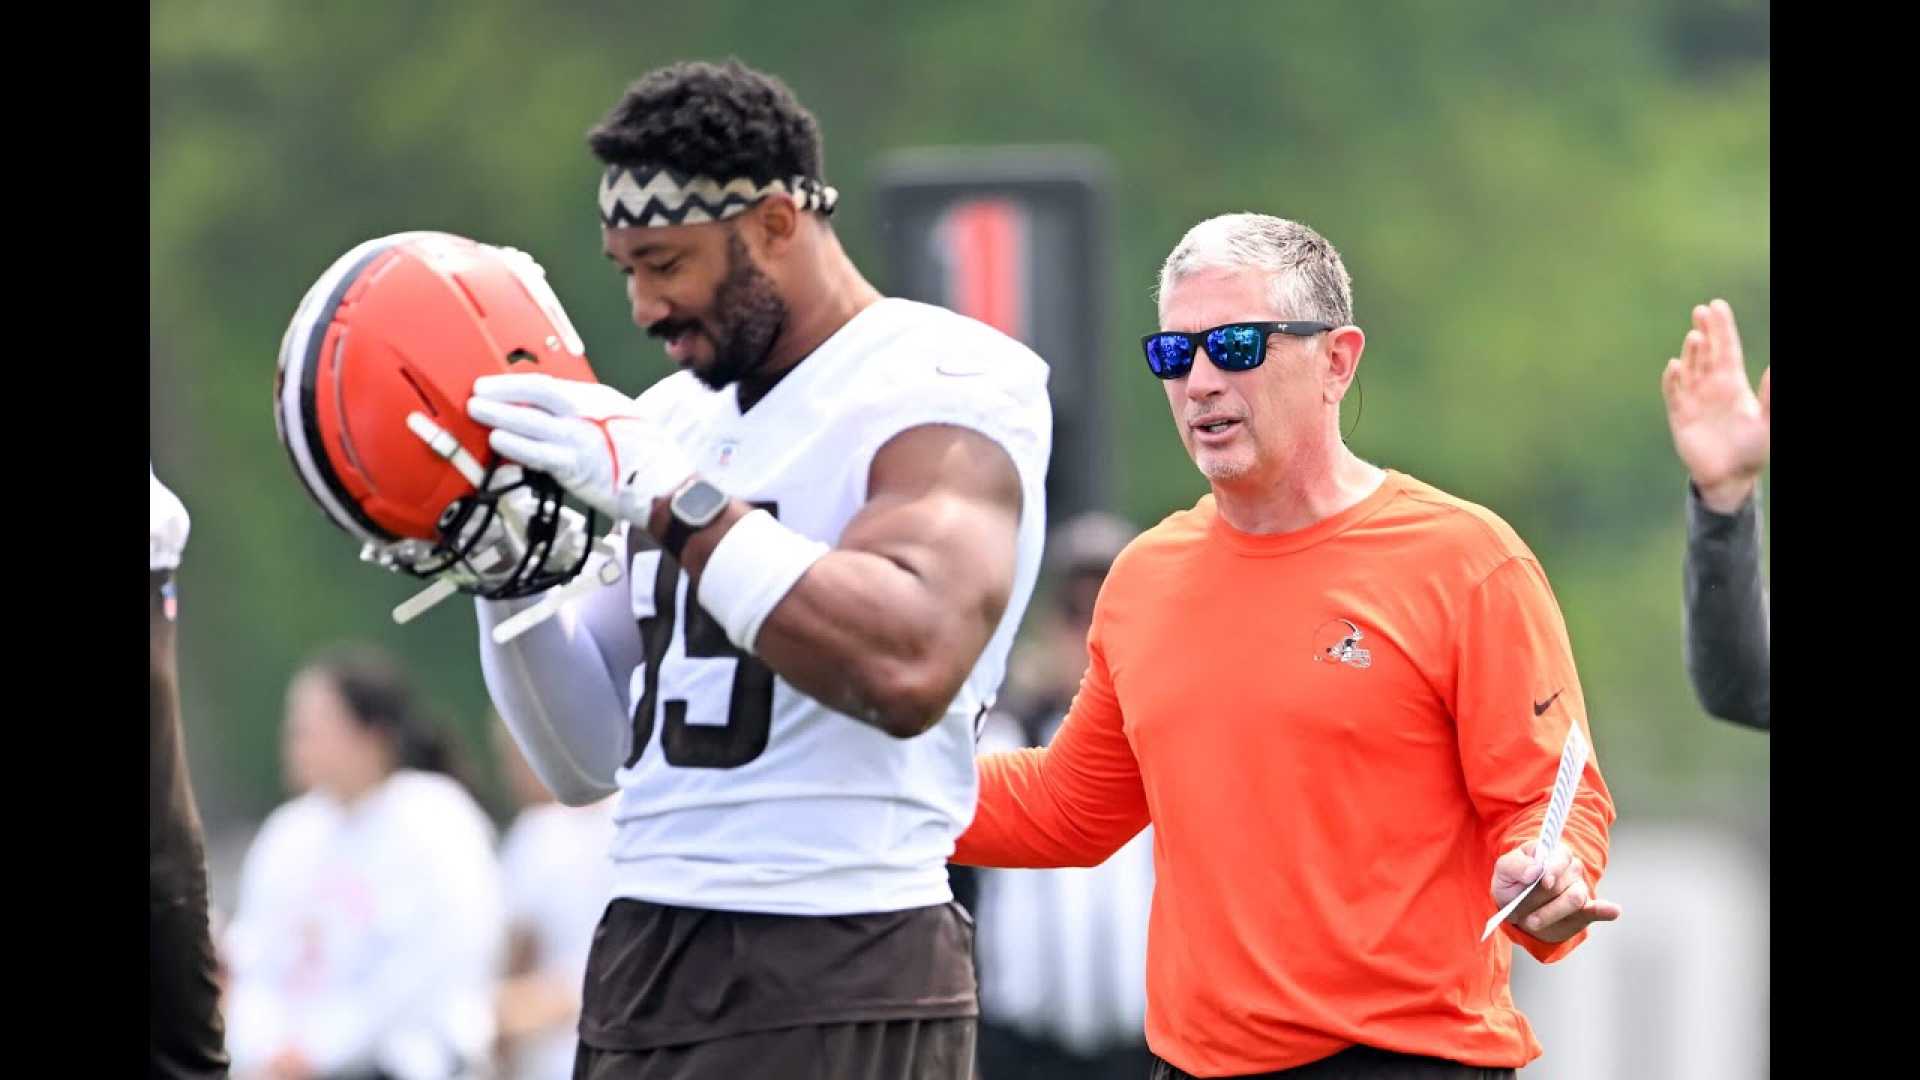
726,453
169,601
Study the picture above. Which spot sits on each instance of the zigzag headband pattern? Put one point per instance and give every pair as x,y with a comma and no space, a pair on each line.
656,195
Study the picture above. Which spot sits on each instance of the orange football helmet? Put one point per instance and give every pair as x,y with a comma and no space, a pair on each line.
370,402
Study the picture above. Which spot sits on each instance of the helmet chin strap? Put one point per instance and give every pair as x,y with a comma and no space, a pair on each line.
419,603
607,573
502,555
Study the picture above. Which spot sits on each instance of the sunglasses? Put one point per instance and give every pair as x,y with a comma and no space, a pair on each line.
1234,347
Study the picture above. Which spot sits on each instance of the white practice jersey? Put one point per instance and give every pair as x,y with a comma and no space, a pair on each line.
170,525
740,792
1063,951
369,936
554,862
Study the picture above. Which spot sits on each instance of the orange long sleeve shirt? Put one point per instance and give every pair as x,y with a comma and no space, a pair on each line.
1335,732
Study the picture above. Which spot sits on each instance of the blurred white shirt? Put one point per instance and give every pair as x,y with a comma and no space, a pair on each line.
1063,953
369,936
559,875
170,525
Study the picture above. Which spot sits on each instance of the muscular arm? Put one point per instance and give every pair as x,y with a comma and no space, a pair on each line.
1728,630
185,1033
886,626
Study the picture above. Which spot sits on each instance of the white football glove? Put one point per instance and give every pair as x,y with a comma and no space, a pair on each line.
492,561
591,438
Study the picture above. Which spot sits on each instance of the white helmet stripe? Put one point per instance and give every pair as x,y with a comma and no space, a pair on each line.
295,347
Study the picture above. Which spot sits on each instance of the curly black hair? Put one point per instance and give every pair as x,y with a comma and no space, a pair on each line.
715,120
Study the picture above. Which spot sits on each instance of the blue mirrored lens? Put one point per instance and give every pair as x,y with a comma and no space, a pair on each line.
1169,354
1235,348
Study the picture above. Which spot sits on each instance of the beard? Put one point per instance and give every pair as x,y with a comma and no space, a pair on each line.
746,318
1231,465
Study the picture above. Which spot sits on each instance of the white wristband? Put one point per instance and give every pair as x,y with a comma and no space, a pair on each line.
750,572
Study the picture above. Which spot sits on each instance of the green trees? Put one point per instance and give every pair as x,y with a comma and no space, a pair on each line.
1529,200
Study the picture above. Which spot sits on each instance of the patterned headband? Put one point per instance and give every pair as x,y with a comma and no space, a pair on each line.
656,195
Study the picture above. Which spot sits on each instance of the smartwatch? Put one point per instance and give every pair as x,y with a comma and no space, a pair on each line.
692,508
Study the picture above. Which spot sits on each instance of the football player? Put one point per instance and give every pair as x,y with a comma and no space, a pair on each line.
828,524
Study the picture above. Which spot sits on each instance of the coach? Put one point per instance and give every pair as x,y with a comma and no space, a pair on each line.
1340,696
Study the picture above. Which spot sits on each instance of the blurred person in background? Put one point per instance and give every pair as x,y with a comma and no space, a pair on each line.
1063,952
368,935
558,876
184,1033
1723,432
1340,696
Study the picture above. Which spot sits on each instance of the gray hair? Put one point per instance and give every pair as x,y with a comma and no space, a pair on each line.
1309,280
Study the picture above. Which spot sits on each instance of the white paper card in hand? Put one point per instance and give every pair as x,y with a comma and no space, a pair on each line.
1573,763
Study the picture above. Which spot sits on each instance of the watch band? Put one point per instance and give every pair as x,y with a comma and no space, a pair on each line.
680,530
678,533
